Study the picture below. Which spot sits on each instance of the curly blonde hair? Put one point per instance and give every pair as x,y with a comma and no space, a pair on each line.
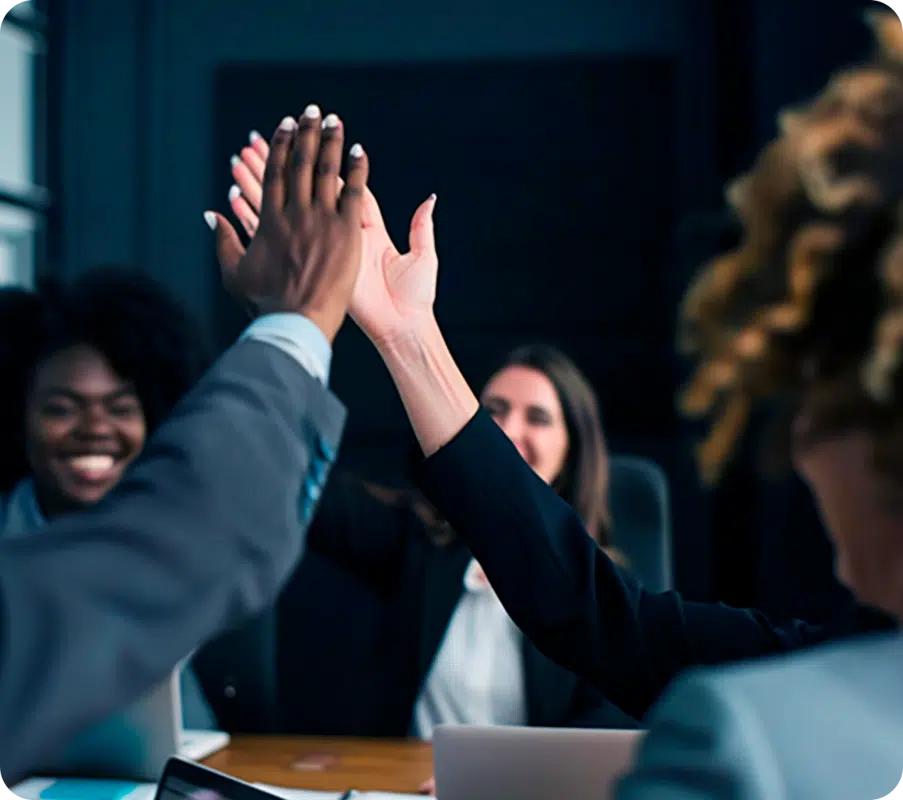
811,302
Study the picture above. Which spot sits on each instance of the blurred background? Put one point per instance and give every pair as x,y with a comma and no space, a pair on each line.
579,149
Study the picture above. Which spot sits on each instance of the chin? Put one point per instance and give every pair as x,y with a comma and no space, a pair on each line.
85,498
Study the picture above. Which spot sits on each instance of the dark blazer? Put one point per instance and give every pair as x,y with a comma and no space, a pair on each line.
200,533
572,601
359,625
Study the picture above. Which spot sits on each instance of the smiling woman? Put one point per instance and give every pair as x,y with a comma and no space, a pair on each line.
90,369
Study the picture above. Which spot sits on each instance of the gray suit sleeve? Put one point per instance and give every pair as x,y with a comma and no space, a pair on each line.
200,533
704,743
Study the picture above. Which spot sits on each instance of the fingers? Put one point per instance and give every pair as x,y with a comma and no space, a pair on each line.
304,158
371,216
329,163
351,200
274,194
254,161
247,181
260,146
422,238
229,249
246,215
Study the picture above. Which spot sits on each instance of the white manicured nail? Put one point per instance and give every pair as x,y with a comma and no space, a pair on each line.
235,161
234,193
356,151
312,111
253,136
210,219
288,124
331,121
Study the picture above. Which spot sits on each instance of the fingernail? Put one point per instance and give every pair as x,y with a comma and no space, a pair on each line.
434,197
312,111
288,124
331,121
234,193
210,219
253,136
235,161
356,151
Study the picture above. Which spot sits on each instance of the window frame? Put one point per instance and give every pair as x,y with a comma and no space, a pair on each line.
38,197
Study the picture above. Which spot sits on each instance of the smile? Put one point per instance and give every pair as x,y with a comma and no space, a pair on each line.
93,468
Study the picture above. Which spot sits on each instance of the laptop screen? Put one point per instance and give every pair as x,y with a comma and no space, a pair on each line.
185,780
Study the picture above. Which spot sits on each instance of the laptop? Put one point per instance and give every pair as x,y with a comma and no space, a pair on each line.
182,780
136,743
495,763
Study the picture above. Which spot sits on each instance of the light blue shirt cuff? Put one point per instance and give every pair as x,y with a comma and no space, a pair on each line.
298,337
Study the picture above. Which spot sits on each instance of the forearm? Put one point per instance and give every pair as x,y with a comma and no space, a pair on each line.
438,401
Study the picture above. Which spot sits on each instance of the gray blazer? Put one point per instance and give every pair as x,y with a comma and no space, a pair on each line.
20,515
825,725
200,534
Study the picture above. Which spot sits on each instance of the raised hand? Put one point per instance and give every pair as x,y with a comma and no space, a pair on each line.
394,291
305,254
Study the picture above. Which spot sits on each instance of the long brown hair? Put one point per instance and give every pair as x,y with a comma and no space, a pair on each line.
810,305
584,479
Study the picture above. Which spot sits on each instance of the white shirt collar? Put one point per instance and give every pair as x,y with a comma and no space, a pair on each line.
473,580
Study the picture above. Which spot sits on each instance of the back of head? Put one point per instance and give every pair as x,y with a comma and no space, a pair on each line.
810,305
142,331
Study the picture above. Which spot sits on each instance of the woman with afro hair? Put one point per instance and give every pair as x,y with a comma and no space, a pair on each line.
90,368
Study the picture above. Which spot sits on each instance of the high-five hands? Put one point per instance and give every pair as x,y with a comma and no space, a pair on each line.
395,292
306,252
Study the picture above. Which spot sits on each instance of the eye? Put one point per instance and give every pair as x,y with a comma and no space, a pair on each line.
495,408
538,417
57,409
125,407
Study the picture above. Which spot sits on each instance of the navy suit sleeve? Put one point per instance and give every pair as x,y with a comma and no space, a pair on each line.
200,533
363,534
589,708
569,598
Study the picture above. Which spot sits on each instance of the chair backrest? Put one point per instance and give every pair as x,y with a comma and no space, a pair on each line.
641,514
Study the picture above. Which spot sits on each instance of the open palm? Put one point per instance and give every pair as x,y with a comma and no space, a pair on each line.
393,291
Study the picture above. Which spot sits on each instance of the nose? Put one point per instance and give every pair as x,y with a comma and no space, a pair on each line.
95,423
515,429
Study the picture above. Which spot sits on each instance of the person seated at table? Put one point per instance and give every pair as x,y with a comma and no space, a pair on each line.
566,594
448,652
90,370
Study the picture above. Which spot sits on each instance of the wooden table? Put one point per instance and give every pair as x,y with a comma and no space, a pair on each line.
327,764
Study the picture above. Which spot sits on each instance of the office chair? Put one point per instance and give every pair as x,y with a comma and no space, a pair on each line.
641,513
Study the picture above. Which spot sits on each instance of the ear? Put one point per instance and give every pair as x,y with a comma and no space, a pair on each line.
888,32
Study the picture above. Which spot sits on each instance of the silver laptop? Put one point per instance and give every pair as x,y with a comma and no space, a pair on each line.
498,763
136,743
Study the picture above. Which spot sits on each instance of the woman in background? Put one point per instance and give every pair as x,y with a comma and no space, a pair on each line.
89,371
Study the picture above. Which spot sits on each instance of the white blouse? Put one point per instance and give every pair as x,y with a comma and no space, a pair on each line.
477,677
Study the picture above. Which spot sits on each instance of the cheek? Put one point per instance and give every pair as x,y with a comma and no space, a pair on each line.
135,433
42,434
551,447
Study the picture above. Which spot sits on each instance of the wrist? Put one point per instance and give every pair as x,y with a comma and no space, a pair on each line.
434,392
420,333
329,324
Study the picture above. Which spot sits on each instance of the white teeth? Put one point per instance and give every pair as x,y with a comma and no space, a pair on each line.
93,465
